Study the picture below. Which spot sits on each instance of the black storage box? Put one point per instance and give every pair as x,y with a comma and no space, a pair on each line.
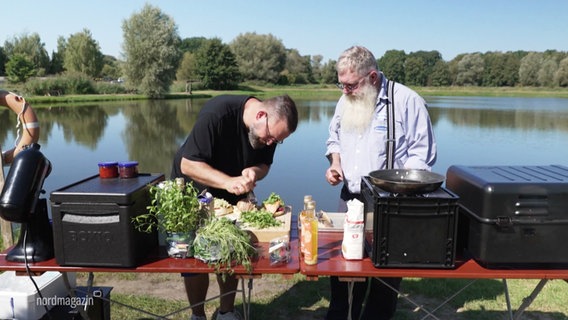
513,216
92,222
403,231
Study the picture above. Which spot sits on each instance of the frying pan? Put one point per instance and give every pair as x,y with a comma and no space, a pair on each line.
406,181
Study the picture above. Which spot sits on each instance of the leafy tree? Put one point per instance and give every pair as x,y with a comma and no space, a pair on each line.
32,48
83,54
453,67
430,57
440,75
111,68
414,71
470,70
297,69
58,57
3,60
56,64
545,75
494,72
328,73
259,57
392,64
187,67
19,68
192,44
418,66
561,75
316,67
528,70
501,69
217,66
511,69
151,48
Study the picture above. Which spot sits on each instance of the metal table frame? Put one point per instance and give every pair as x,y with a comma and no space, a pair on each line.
261,265
331,263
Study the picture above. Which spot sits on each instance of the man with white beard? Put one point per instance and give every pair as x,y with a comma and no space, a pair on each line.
357,145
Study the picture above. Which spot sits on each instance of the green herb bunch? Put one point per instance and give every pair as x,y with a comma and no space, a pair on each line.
260,219
222,244
274,198
174,208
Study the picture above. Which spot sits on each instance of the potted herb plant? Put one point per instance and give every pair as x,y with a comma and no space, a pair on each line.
222,244
175,210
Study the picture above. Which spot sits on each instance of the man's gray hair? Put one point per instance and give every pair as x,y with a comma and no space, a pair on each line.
357,59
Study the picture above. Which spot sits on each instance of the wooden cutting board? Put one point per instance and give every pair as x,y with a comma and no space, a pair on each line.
267,234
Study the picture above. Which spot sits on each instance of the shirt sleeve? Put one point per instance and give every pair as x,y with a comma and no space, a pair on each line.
332,142
200,143
420,140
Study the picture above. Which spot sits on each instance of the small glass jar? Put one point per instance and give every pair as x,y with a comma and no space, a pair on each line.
108,169
128,169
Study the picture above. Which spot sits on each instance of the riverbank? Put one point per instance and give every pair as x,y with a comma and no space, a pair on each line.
322,92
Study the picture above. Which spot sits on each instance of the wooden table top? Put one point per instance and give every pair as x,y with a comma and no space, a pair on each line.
163,264
331,262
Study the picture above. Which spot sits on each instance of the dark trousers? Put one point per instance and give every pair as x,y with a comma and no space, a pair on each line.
381,300
380,304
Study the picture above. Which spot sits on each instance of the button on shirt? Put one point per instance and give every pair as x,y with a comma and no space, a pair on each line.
361,153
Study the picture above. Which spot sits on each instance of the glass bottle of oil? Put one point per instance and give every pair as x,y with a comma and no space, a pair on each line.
301,220
310,234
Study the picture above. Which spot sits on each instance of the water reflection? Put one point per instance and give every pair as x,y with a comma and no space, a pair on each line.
469,130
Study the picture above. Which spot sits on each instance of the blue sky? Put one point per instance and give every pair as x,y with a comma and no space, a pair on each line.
313,27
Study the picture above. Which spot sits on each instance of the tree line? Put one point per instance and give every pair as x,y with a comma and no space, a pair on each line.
155,56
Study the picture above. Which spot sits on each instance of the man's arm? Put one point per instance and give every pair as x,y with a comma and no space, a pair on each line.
205,174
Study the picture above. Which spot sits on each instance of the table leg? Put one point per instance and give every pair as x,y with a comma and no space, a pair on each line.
408,299
350,285
452,296
528,300
246,299
508,299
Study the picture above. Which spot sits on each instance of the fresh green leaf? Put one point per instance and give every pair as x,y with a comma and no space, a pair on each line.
174,208
274,198
259,219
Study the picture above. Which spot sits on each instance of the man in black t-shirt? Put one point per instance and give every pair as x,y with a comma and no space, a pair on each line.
229,149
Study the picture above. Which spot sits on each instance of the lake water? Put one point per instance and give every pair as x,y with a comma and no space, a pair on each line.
469,131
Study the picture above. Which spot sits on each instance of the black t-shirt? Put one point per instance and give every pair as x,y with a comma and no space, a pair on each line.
220,139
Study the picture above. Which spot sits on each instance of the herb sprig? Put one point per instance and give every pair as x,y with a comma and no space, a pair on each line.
260,219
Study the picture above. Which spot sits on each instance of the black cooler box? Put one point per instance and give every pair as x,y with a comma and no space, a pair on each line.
513,216
92,222
403,231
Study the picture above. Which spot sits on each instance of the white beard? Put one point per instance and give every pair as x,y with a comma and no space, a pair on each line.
357,110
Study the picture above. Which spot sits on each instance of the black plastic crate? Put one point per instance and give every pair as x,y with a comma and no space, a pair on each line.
512,216
416,231
92,222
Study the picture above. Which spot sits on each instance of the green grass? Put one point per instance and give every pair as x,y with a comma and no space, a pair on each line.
306,92
298,298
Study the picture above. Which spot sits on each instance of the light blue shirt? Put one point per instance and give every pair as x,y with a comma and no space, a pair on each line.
415,146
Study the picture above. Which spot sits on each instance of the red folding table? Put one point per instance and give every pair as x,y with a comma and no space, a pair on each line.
332,263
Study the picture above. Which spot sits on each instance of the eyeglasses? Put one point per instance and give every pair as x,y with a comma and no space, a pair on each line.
351,87
269,137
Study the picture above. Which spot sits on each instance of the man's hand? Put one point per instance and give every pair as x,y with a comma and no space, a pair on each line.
334,175
242,184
